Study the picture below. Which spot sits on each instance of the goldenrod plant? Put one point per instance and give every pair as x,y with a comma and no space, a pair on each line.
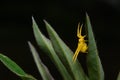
62,56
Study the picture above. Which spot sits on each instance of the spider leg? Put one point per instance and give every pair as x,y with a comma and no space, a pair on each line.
84,36
78,35
76,52
79,30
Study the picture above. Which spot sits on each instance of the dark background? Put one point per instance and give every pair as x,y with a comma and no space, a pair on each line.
16,30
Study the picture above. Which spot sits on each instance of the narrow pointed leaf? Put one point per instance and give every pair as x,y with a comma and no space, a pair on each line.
65,54
94,65
41,67
12,66
46,46
28,77
118,77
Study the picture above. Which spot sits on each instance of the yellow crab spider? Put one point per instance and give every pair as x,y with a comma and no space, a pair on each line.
82,46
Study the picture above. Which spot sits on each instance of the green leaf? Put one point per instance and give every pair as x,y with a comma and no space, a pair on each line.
118,78
46,46
41,67
28,77
95,69
12,66
65,54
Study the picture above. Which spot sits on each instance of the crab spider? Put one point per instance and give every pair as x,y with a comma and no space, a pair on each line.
82,46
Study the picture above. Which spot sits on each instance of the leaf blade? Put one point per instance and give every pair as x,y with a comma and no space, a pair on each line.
12,66
94,65
66,54
45,44
41,67
118,77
